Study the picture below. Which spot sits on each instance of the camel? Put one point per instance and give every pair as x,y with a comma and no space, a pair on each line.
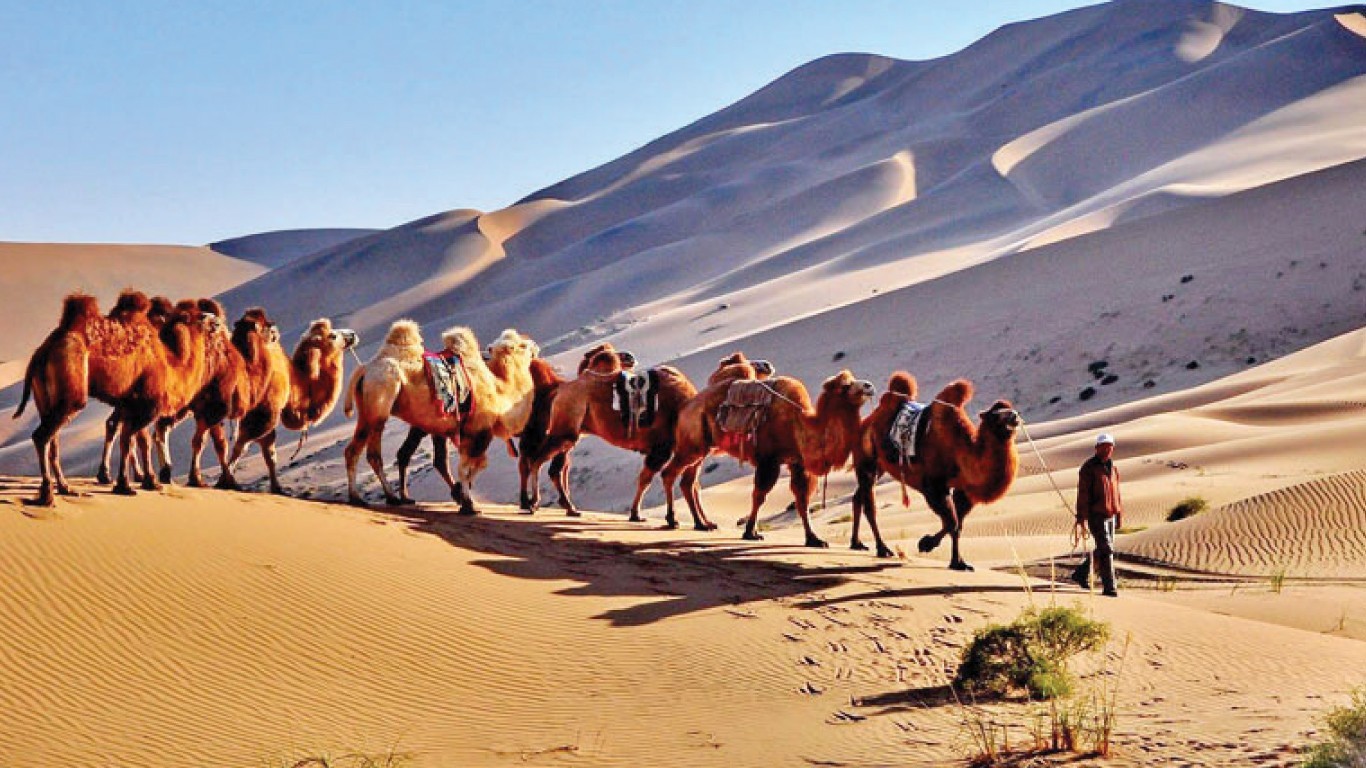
586,405
158,313
957,465
394,383
297,390
811,441
141,370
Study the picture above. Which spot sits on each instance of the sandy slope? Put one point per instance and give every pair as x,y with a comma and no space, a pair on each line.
275,249
38,275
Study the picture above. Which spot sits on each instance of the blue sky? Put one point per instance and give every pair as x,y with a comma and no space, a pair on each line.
189,122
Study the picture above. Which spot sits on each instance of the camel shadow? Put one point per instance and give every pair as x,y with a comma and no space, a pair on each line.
938,591
673,576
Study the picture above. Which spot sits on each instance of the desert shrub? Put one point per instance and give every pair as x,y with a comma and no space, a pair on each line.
1030,654
1187,507
1346,745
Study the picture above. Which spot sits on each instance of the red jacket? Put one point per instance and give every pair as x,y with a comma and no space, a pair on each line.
1098,489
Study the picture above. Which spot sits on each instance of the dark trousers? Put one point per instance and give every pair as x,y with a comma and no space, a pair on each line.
1103,531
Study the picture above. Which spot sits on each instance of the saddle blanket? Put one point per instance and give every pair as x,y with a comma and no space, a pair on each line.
907,429
449,380
746,404
636,398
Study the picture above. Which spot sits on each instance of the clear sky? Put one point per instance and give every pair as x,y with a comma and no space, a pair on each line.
170,121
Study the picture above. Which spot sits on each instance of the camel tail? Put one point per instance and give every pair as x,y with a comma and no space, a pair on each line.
958,393
903,383
353,392
28,390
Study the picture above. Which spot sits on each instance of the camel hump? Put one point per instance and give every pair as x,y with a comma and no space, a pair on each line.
212,307
404,333
957,393
131,302
903,383
77,309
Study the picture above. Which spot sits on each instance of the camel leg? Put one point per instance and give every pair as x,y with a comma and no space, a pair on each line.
529,481
691,487
472,462
936,494
352,455
58,477
220,449
962,505
405,457
441,459
143,442
654,461
126,433
111,431
375,457
161,440
766,472
865,504
800,484
196,479
268,453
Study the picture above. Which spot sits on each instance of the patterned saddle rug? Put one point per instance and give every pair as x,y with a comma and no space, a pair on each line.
637,398
450,382
908,429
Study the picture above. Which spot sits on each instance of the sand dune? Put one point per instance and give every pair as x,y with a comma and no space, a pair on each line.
38,275
275,249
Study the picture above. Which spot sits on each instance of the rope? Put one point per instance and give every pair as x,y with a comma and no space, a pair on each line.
1076,539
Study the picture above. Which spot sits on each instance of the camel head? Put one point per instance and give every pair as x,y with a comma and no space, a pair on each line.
1001,419
763,369
206,306
322,336
254,324
513,343
844,386
593,353
404,333
188,325
605,361
160,311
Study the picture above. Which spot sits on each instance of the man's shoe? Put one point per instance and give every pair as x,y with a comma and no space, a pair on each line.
1110,593
1082,578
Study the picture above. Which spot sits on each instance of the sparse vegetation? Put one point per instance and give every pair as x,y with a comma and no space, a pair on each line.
1087,393
1132,529
1187,507
1346,744
390,758
1277,579
1029,655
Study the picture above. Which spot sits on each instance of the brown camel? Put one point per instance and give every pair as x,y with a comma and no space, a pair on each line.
586,405
142,371
158,313
956,465
809,441
297,390
394,383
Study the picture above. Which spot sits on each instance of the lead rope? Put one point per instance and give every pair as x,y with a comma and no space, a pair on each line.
1075,538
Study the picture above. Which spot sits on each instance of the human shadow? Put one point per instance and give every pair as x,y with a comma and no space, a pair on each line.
939,591
674,576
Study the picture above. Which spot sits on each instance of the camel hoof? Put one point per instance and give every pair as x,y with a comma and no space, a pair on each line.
148,484
883,551
164,475
392,500
572,513
927,544
124,490
816,542
102,477
280,491
45,498
960,566
357,501
467,510
195,481
858,546
635,518
406,500
751,536
704,526
227,484
670,523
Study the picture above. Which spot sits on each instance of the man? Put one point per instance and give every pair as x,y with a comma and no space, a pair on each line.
1099,508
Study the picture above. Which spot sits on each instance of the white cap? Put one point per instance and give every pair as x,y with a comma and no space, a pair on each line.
1105,437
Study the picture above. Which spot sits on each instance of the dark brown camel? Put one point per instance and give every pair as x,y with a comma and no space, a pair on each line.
957,465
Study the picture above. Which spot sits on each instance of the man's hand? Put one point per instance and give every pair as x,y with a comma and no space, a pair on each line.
1078,532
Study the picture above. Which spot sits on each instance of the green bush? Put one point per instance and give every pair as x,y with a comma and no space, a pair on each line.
1030,654
1187,507
1346,747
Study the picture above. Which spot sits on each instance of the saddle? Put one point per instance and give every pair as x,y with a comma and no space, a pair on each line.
739,417
450,382
636,398
908,429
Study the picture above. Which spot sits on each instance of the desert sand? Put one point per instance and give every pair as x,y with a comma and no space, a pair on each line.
1140,218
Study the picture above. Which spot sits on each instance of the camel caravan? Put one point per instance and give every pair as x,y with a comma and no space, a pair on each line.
158,363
